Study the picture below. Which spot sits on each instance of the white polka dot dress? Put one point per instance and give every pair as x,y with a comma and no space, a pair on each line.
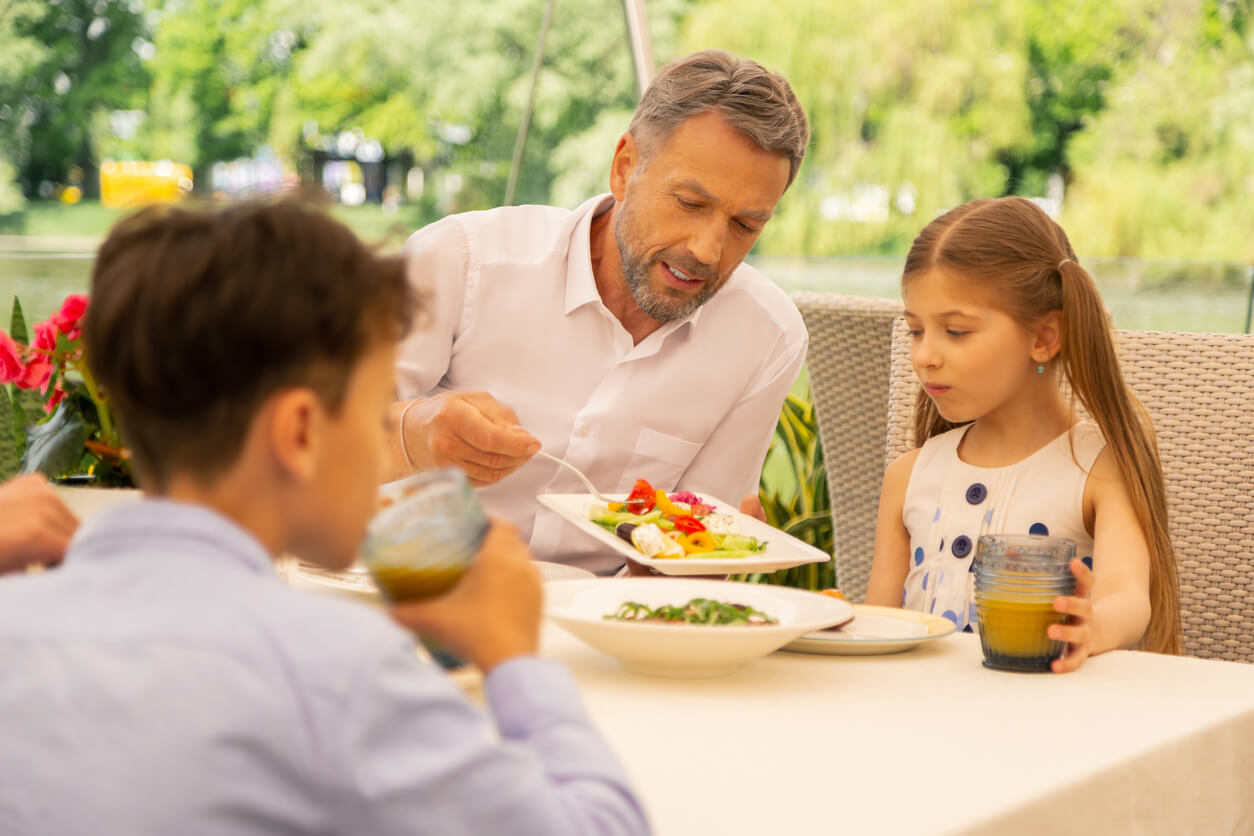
950,503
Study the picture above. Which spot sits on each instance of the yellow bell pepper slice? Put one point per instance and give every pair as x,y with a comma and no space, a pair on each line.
698,542
669,508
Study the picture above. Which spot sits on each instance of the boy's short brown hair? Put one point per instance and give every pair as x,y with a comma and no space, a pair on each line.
197,316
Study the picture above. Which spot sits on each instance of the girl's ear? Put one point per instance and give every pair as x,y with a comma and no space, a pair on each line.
295,432
1048,337
626,160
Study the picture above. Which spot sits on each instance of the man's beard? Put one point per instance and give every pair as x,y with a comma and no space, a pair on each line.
668,305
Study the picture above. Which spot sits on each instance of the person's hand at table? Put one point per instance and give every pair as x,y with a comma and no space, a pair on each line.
35,525
469,430
751,506
1078,631
493,613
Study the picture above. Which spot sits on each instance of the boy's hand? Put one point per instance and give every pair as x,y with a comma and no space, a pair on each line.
493,613
1078,632
35,525
469,430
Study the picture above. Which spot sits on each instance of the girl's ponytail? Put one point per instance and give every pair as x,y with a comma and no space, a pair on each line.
1091,366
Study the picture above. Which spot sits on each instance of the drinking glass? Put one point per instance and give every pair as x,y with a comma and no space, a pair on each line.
1017,578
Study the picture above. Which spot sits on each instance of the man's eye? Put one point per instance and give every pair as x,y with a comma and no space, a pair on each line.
747,229
687,204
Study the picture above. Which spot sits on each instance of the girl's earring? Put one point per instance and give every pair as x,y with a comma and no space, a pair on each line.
1040,369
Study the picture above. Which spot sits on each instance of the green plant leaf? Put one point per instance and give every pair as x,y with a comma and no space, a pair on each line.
17,323
10,461
55,447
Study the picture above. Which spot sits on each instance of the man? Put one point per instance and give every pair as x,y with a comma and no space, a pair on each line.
626,336
164,681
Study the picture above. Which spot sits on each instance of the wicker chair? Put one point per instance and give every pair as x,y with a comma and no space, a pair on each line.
1199,390
848,365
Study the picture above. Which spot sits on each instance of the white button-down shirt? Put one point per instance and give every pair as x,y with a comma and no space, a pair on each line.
515,312
164,681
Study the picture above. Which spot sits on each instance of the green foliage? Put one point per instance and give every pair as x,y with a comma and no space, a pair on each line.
87,64
55,447
1142,107
10,456
805,514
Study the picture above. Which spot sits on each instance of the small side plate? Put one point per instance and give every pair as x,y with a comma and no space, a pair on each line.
874,631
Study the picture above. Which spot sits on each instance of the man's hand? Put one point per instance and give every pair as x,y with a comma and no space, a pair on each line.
493,614
35,525
469,430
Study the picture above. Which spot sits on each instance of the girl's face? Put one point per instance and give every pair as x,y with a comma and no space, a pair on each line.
971,357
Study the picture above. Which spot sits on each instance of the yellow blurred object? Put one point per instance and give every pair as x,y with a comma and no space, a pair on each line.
832,593
124,184
71,195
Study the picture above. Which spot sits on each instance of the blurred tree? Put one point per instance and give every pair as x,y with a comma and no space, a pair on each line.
1166,170
88,62
217,70
18,54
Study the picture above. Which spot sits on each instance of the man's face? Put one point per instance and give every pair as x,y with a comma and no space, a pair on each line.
689,213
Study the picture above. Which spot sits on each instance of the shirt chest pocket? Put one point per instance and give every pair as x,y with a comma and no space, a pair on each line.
660,458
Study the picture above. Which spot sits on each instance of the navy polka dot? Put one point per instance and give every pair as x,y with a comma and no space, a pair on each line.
933,607
951,615
941,579
903,597
971,568
976,493
1039,528
988,518
925,577
967,629
961,546
936,516
1087,561
942,548
918,556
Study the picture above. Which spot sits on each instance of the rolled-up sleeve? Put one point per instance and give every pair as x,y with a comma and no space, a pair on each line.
437,262
421,759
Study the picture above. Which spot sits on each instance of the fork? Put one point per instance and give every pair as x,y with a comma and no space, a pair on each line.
586,482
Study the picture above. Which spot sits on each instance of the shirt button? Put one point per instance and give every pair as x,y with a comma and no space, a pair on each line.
961,546
976,493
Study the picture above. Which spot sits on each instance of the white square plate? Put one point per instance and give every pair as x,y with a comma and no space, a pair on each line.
782,551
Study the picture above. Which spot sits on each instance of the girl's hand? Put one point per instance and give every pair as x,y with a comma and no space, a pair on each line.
1078,632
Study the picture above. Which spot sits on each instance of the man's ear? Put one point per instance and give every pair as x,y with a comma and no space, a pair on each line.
626,161
1048,341
295,429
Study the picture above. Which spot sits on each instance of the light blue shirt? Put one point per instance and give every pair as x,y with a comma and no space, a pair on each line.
164,681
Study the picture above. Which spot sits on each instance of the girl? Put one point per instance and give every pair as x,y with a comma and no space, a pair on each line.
999,311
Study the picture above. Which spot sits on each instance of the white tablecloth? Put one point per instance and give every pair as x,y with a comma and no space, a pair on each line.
930,741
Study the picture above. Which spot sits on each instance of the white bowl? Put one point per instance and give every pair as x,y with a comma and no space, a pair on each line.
686,650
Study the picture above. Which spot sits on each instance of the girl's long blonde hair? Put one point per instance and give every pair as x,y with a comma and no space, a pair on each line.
1012,247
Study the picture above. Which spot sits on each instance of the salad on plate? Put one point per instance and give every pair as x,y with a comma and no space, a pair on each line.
674,526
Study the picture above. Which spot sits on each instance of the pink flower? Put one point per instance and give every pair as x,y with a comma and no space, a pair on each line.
57,394
35,374
67,319
45,337
10,359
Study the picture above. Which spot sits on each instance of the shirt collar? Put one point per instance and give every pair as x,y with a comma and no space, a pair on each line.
163,525
581,284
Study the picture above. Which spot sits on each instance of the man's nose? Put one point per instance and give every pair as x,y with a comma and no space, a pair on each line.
706,243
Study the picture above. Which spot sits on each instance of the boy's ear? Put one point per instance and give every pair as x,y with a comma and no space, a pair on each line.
1048,340
295,432
626,161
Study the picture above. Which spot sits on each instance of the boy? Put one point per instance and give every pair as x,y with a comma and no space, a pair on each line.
164,681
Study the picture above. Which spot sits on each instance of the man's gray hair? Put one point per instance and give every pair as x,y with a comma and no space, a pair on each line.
756,102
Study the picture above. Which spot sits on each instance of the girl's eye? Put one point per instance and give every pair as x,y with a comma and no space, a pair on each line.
951,332
915,333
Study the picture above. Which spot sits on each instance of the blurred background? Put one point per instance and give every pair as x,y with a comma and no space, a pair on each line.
1130,121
